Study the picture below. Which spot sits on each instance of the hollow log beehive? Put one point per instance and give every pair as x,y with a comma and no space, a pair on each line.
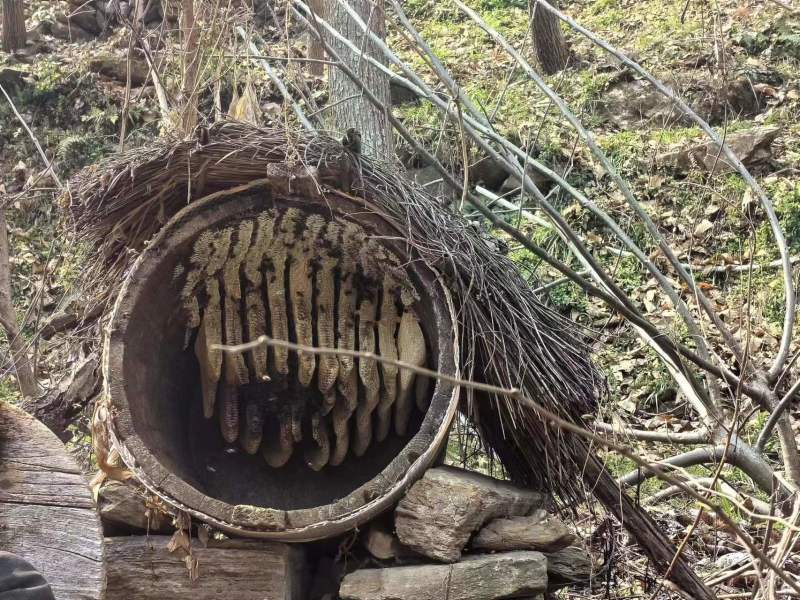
267,441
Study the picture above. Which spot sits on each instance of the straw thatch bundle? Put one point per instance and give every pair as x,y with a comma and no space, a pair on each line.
509,337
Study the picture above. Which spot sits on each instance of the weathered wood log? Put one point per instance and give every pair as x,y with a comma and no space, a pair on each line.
481,577
442,510
153,377
47,515
538,531
143,568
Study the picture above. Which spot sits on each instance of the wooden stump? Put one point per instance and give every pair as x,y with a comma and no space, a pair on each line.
47,515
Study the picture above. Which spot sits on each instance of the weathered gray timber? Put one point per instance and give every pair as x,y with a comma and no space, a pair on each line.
481,577
538,531
142,567
47,515
442,510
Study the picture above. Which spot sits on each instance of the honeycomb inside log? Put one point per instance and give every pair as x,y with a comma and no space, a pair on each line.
314,281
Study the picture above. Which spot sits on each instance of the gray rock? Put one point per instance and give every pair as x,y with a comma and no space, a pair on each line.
569,566
71,33
401,94
116,67
83,17
441,511
380,543
752,147
12,80
629,102
481,577
539,531
122,504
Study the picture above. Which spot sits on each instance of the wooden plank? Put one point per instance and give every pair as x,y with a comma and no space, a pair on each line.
142,567
47,515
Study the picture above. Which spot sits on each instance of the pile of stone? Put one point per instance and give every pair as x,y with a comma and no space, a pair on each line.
464,536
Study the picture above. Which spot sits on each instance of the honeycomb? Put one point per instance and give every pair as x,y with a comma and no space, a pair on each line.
314,281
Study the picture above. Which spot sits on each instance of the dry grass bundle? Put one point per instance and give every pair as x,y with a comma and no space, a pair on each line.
509,338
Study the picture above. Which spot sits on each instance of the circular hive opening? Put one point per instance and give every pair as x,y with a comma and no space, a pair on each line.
268,441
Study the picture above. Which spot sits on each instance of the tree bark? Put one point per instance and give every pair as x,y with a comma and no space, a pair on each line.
315,49
13,25
350,108
191,60
8,319
548,40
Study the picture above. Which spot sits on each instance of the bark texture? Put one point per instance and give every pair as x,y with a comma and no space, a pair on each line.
315,49
350,108
13,25
548,40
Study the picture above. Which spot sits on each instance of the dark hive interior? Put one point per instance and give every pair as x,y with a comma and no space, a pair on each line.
271,427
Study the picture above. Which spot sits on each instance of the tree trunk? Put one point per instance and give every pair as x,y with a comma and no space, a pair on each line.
191,65
8,319
548,40
315,49
13,25
350,109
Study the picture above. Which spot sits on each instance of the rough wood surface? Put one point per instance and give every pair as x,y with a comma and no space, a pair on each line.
47,515
539,531
442,510
482,577
142,567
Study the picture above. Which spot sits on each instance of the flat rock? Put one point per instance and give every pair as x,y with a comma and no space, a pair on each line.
381,544
480,577
69,32
539,531
121,504
441,511
116,67
752,147
569,566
